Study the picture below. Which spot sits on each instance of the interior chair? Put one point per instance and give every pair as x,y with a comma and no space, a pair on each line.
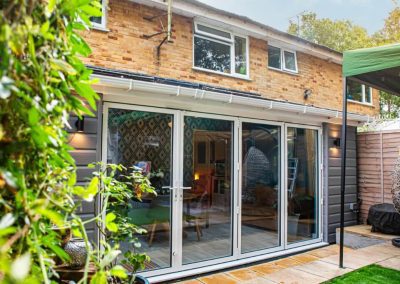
199,214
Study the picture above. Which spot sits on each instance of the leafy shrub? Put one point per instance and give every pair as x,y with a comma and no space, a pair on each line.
42,81
119,186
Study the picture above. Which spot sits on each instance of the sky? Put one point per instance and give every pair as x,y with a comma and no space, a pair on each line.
369,14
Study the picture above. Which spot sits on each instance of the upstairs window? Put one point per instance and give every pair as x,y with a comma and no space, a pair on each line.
282,59
220,51
358,92
100,22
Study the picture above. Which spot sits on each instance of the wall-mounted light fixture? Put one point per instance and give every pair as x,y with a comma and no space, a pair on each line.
80,124
307,93
336,142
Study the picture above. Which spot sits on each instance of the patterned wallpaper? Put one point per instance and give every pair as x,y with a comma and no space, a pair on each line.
141,136
147,136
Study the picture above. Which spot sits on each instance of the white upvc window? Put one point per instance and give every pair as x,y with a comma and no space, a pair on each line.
282,59
220,51
360,93
100,22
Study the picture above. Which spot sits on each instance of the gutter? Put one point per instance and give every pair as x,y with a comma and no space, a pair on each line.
131,85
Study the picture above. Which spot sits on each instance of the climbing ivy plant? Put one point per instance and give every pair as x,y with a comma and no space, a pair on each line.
42,81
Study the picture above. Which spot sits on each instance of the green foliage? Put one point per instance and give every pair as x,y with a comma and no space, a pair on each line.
42,81
390,33
344,35
40,69
389,105
339,35
119,186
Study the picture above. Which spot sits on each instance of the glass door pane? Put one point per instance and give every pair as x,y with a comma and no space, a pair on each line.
207,189
302,184
261,159
144,139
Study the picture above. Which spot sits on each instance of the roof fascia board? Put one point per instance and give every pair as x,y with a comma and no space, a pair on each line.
130,85
188,9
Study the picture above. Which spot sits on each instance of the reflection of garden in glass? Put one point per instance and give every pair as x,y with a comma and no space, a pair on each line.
354,91
212,55
240,55
302,171
260,186
139,138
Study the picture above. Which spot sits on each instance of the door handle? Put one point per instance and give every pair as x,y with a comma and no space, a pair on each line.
173,189
184,188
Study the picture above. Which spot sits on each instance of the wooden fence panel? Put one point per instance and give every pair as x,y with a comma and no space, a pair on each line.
377,153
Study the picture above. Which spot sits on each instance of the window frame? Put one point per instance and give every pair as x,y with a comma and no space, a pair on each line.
103,25
363,96
225,41
283,61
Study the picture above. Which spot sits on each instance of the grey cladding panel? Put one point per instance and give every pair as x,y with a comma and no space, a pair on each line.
84,157
83,141
87,145
333,179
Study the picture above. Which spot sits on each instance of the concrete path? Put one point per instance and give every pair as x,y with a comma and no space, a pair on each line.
314,266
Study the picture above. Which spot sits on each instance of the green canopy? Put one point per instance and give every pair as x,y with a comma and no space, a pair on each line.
378,67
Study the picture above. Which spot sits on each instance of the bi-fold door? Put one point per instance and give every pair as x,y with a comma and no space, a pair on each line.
220,184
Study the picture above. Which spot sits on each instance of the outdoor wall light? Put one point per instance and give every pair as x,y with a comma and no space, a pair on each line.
80,124
307,93
336,142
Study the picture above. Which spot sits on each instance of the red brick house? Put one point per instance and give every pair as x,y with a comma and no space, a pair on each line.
235,123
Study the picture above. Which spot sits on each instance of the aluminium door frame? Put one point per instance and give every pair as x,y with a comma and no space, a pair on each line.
281,212
174,257
234,222
319,189
176,203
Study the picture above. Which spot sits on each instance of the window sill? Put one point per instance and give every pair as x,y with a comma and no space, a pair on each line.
360,103
99,28
246,78
284,71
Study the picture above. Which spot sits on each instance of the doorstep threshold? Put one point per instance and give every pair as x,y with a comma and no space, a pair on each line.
230,264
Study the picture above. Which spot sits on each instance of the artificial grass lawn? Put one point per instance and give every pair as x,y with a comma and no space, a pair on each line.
369,274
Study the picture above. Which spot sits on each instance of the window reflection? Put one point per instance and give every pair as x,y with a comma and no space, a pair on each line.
302,188
212,55
260,186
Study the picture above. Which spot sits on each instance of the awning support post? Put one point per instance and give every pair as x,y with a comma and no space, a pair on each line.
343,145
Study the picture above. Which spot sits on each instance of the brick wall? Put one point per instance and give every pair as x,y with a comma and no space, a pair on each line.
123,47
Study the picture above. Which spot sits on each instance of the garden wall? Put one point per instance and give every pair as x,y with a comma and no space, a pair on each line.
377,153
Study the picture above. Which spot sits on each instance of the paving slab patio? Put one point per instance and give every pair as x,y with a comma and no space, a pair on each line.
323,269
393,263
293,275
314,266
